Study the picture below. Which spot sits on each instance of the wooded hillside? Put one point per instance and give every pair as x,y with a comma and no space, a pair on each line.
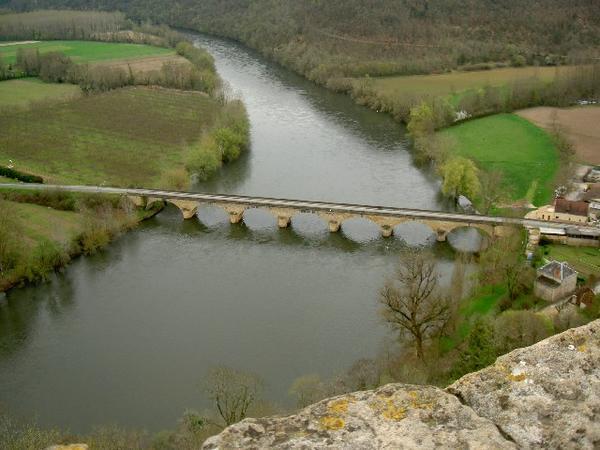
332,39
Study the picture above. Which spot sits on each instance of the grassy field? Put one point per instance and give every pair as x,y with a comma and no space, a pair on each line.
88,51
124,137
585,260
523,152
19,93
455,82
40,222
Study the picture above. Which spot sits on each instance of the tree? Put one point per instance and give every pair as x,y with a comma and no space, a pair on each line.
493,190
421,122
460,177
504,262
479,349
8,240
410,301
515,329
233,392
307,389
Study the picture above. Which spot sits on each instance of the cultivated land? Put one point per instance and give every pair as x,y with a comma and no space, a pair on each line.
24,91
585,260
125,137
456,82
88,51
524,153
146,64
580,124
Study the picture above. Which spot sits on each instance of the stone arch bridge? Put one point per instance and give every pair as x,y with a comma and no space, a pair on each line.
334,214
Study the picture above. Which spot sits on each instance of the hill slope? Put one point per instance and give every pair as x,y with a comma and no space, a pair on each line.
329,39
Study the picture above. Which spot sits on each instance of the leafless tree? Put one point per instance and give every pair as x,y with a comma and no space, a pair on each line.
411,301
233,392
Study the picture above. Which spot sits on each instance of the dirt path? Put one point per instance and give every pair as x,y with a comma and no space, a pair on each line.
6,44
581,125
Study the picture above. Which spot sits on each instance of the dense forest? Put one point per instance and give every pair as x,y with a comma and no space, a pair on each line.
331,39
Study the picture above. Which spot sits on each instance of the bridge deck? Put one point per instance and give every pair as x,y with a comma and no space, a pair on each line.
301,205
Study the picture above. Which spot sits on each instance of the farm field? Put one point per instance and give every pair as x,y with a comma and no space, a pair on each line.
524,153
455,82
87,51
580,124
123,137
21,92
40,222
146,64
585,260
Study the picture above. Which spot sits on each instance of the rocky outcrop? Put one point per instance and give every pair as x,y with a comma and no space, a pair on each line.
543,396
546,395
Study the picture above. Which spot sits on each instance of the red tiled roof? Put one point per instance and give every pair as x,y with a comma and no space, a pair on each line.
577,208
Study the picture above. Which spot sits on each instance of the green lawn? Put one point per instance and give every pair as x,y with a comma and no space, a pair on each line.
26,90
585,260
524,153
122,137
455,82
87,51
40,222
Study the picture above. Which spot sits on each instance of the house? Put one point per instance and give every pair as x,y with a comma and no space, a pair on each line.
563,210
593,175
555,281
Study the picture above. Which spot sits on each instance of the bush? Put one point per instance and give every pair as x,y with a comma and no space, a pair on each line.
205,159
175,179
21,176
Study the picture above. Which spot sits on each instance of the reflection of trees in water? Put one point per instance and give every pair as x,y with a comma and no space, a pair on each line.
22,308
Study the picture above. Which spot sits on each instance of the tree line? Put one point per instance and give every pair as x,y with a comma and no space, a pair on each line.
328,41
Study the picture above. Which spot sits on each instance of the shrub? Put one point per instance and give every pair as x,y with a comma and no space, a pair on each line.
205,159
21,176
175,179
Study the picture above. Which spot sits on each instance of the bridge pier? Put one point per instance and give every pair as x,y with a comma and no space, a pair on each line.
441,235
334,226
283,221
387,231
188,208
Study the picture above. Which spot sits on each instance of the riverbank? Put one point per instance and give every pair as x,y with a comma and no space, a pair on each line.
43,232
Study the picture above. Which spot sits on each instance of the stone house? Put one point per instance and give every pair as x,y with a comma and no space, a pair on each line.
563,210
555,281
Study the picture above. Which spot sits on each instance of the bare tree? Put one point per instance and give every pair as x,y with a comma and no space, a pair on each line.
233,392
411,301
493,190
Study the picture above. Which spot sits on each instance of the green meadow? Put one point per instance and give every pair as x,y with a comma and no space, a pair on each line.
456,82
586,260
87,51
22,92
123,137
524,153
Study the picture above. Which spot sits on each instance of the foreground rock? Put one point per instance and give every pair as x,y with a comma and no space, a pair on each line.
543,396
546,395
395,416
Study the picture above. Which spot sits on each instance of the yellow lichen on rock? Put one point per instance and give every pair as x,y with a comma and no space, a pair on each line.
517,377
388,409
332,423
419,403
338,406
581,348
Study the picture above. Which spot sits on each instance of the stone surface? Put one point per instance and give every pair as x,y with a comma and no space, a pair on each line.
546,395
543,396
395,416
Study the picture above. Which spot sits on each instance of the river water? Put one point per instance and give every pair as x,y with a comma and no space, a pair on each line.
126,336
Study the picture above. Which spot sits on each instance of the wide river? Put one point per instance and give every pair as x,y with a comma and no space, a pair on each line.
126,336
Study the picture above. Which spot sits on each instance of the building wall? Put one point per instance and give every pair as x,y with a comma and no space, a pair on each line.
552,294
575,242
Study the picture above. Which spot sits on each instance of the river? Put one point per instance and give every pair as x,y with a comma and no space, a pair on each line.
126,336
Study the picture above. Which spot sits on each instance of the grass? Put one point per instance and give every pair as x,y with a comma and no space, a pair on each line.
37,223
87,51
524,153
586,260
20,93
125,137
456,82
